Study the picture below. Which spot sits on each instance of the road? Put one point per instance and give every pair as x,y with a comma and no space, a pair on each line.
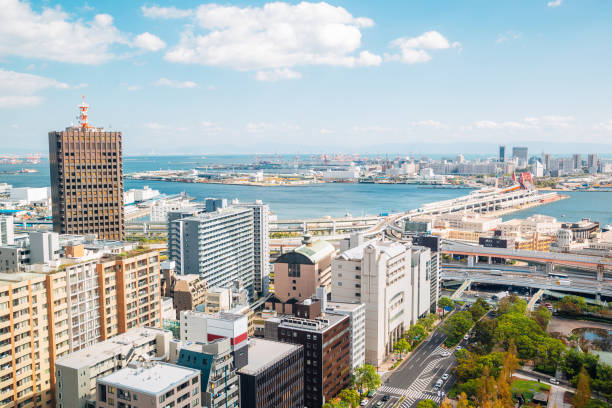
417,376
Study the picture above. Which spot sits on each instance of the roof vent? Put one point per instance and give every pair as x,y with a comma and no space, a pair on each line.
307,239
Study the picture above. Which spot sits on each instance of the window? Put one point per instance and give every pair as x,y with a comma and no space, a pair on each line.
294,270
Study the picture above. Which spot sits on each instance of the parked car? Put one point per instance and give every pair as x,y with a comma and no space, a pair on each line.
459,348
364,402
444,377
553,380
467,336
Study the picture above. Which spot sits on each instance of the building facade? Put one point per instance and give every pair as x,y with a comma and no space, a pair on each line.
274,376
86,168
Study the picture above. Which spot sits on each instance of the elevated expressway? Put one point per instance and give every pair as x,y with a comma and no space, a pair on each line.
599,267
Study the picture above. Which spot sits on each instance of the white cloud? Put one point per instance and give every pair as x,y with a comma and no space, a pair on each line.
275,36
149,42
371,129
19,101
175,84
554,3
277,75
52,35
17,88
541,122
165,13
434,124
415,49
604,125
17,82
326,131
133,88
259,127
508,36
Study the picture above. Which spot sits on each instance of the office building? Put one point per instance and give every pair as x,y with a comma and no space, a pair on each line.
261,245
274,376
577,160
30,195
76,374
7,232
24,351
502,153
592,163
298,273
217,245
44,247
395,289
356,314
150,385
220,384
14,257
520,153
203,328
86,168
327,350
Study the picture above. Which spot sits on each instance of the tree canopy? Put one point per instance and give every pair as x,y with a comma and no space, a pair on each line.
366,378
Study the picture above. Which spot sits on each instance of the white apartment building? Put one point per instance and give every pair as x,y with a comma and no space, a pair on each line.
395,289
356,313
541,224
161,208
261,244
7,232
464,221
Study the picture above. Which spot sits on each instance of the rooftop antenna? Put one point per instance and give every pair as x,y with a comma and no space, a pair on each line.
83,107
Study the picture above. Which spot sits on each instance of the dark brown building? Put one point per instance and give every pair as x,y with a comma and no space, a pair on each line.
274,376
327,343
86,168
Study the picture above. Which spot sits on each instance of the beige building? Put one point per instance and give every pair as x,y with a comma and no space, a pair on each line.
298,274
24,353
78,372
150,385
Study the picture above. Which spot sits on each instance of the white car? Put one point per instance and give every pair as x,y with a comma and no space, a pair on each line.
459,348
445,354
466,337
553,380
364,402
444,377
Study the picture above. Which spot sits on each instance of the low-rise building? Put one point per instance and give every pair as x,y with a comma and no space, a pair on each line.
76,374
298,273
150,385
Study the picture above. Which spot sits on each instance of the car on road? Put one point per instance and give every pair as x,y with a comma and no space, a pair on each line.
444,377
386,398
371,393
553,380
438,384
459,348
364,402
379,404
445,354
466,337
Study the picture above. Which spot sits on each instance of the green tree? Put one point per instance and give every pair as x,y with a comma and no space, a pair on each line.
351,397
572,363
366,378
477,311
583,390
462,401
428,321
401,346
456,327
573,305
484,333
335,403
542,316
445,302
512,304
427,403
416,333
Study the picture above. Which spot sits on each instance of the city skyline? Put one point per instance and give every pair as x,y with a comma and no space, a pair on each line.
224,78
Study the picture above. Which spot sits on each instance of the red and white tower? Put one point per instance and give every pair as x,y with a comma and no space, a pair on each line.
83,107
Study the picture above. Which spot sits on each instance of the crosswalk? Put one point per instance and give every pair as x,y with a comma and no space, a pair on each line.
417,390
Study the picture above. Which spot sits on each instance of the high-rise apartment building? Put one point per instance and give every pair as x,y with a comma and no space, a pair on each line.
592,162
577,160
7,234
520,153
261,245
86,168
502,153
218,245
24,351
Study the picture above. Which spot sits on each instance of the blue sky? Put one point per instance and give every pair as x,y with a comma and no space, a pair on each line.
353,76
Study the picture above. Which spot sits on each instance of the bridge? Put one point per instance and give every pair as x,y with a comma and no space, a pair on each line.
598,265
575,285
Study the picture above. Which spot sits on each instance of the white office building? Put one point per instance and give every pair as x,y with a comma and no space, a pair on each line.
7,232
356,313
395,288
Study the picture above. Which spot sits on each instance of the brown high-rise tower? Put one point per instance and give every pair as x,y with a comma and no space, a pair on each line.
86,166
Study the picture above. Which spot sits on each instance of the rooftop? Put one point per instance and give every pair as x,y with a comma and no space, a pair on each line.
264,353
151,379
318,325
343,306
388,247
214,214
114,346
316,250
